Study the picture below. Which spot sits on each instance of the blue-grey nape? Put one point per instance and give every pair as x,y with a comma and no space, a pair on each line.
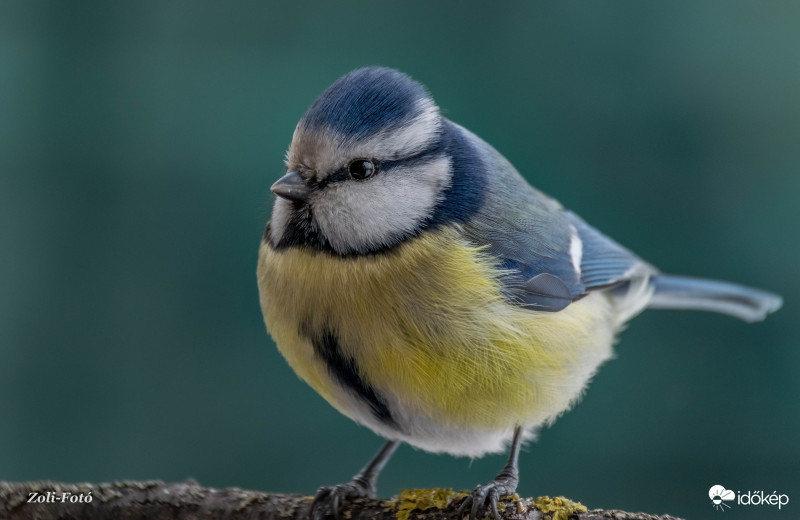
366,101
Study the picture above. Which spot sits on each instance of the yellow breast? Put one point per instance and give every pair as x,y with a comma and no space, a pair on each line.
427,325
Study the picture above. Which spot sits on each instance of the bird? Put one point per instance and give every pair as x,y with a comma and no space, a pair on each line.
414,279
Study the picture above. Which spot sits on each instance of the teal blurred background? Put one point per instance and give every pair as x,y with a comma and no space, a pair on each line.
137,145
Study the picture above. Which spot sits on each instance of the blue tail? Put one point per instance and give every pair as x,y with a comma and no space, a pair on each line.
683,292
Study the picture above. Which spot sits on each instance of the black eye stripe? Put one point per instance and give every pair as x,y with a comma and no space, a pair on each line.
413,160
338,176
434,151
427,155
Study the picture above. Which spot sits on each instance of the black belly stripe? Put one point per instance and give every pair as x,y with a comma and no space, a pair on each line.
345,370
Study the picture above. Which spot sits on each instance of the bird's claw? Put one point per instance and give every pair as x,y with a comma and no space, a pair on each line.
329,498
488,495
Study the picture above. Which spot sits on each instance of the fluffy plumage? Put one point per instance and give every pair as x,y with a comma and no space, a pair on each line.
458,367
443,301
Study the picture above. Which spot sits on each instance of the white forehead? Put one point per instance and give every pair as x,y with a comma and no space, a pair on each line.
324,150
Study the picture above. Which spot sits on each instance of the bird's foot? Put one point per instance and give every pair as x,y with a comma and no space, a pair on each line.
329,498
488,495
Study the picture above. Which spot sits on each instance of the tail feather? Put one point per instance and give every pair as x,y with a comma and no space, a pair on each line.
683,292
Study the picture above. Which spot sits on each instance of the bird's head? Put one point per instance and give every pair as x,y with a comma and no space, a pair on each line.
366,167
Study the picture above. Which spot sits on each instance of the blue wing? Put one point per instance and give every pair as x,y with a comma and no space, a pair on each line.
554,257
605,263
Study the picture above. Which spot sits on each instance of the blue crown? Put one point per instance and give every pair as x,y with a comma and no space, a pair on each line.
364,102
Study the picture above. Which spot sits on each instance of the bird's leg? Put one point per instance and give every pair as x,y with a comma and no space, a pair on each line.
505,483
328,498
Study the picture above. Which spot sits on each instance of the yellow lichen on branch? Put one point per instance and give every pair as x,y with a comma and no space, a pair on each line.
560,507
410,500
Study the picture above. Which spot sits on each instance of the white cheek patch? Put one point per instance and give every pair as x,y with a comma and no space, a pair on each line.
356,216
281,212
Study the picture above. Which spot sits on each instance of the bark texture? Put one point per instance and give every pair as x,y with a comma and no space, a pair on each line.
156,500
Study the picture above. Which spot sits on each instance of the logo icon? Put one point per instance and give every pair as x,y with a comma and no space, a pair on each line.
719,495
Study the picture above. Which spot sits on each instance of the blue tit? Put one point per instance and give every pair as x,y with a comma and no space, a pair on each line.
419,284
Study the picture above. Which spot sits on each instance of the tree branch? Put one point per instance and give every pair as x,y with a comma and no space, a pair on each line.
129,500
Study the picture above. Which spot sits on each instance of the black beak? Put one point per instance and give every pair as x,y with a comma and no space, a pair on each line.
291,187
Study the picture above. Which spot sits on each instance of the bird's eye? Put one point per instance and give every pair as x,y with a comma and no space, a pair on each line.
362,169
